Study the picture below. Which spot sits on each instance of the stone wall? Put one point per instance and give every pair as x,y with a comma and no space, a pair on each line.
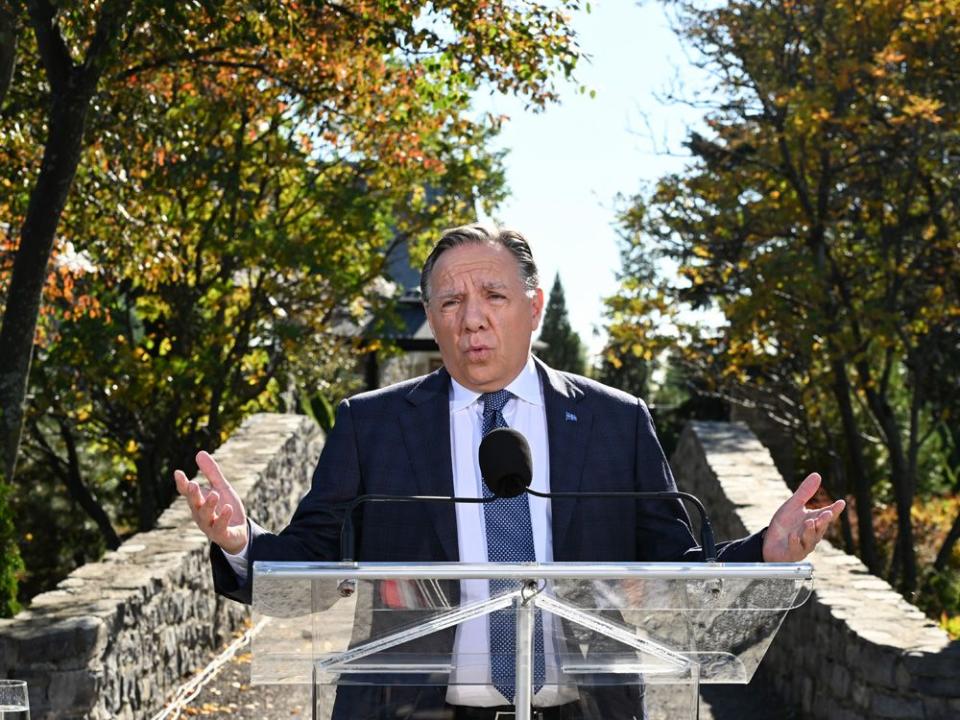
117,637
856,649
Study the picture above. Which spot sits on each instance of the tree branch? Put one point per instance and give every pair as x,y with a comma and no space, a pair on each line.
946,550
70,474
9,34
53,50
110,21
168,61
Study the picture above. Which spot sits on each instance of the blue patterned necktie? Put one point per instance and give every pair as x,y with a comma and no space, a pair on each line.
509,539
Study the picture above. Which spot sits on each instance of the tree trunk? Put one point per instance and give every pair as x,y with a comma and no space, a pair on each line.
899,477
846,530
8,51
72,89
60,159
860,477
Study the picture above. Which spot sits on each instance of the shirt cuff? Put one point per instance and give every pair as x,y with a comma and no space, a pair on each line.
238,562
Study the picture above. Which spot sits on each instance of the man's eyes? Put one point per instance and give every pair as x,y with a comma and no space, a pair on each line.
452,303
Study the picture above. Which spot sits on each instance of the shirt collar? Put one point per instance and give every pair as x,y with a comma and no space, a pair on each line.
525,386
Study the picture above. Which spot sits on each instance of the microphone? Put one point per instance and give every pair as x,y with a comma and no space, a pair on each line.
507,469
505,462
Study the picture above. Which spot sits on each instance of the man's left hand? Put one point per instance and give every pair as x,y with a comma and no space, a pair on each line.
794,530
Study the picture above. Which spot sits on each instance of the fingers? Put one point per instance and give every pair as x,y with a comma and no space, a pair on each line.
808,488
810,534
205,504
181,481
837,507
202,503
190,489
208,466
794,547
814,528
222,521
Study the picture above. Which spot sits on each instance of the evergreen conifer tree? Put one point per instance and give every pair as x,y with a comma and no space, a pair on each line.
564,350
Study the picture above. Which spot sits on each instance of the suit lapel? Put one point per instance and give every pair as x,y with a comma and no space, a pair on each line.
568,430
425,425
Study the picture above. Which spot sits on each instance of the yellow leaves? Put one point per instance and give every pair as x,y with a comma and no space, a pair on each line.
919,107
891,56
701,251
131,447
641,351
693,274
821,115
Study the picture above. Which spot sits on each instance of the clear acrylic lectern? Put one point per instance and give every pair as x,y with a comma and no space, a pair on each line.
605,626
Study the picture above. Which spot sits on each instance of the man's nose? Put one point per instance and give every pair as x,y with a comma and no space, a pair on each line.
474,314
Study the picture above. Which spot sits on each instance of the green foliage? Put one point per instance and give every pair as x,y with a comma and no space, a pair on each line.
634,316
818,215
245,169
626,372
563,350
12,565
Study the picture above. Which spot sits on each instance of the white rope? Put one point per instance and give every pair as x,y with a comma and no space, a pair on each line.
192,688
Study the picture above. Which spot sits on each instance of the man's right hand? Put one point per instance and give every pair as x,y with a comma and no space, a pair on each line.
216,510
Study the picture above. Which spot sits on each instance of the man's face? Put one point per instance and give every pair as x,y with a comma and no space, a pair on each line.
481,315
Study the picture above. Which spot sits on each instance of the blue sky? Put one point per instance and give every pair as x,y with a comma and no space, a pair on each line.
567,164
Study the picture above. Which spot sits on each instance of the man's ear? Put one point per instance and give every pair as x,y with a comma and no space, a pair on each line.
537,302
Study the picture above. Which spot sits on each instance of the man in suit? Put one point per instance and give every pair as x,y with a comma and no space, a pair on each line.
483,302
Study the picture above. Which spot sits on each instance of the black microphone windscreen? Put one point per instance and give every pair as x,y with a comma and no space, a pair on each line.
505,462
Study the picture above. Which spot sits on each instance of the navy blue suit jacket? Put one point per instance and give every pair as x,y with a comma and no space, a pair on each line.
396,441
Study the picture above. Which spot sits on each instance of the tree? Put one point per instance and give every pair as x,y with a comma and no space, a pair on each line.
563,351
817,215
231,172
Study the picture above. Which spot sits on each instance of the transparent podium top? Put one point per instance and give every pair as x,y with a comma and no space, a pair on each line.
601,624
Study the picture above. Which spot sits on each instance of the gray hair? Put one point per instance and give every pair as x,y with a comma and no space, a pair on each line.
479,234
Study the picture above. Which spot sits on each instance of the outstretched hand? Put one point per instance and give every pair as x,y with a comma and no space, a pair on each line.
794,530
216,510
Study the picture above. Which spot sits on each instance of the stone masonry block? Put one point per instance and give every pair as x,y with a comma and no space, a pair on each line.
945,687
896,707
860,694
839,680
71,691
